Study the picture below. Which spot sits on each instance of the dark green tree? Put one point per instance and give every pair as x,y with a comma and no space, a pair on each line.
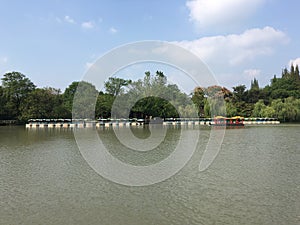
292,72
44,103
17,87
3,104
285,73
254,94
68,95
297,75
254,84
239,93
104,105
80,99
198,98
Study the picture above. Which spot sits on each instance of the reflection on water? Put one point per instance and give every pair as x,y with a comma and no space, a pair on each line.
255,179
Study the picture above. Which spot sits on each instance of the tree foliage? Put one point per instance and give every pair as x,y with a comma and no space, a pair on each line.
16,87
115,86
279,99
151,96
44,103
84,101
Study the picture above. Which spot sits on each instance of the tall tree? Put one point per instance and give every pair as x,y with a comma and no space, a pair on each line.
285,73
115,86
239,93
198,97
292,71
297,75
17,88
253,94
254,84
104,105
68,95
3,103
80,99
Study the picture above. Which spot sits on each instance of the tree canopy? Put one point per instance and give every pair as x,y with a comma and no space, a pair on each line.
16,88
151,96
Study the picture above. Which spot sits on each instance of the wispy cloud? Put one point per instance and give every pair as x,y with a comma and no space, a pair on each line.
295,62
88,25
218,13
235,49
68,19
113,30
252,73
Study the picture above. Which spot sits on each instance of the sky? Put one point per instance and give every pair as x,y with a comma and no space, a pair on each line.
55,42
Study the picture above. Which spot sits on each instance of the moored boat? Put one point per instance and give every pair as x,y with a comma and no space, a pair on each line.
236,121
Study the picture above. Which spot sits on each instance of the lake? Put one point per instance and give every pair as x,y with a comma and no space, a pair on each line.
255,179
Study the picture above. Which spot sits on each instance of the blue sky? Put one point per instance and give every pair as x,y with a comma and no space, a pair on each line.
54,42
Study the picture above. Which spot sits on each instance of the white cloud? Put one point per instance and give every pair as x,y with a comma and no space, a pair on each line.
235,49
205,13
113,30
252,73
68,19
295,62
88,25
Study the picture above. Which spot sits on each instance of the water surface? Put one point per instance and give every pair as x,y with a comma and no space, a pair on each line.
255,179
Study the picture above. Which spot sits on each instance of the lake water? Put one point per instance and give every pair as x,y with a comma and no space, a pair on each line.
255,179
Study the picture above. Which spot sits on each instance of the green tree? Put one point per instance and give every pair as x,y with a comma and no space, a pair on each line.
239,93
151,96
278,107
286,86
68,95
104,105
198,98
215,106
231,109
292,71
254,94
17,87
290,110
45,103
115,86
80,98
268,111
3,104
285,73
258,108
154,107
297,74
254,84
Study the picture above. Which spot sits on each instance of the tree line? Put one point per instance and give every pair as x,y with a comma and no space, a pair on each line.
151,96
280,99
